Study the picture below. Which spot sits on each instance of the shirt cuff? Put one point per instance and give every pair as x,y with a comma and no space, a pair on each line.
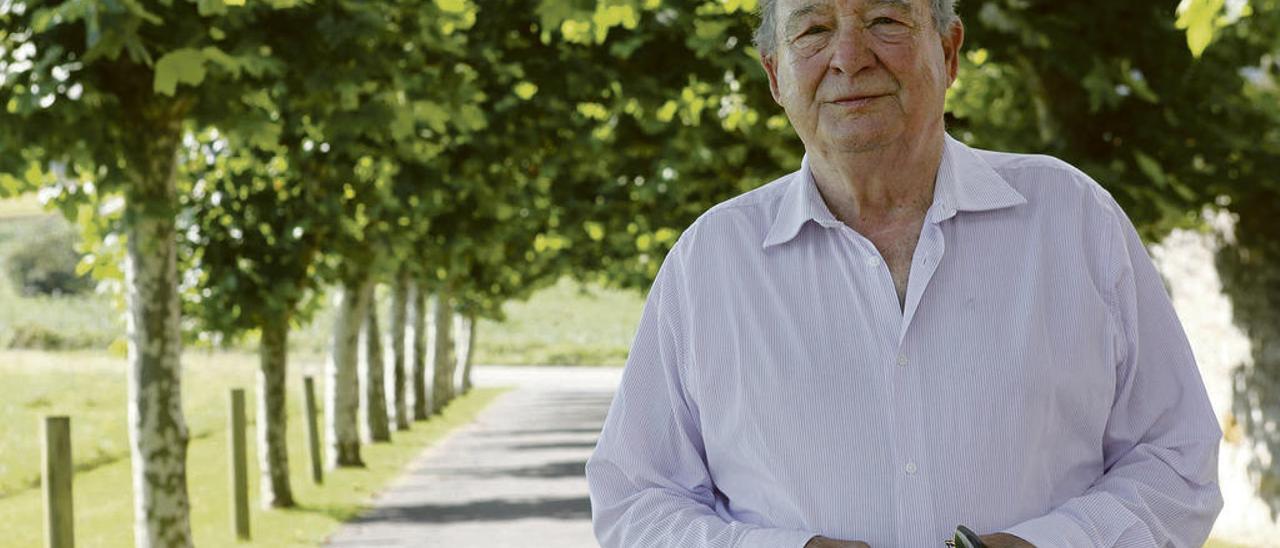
1054,530
763,537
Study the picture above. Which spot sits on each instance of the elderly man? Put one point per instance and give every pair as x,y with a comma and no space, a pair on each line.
905,335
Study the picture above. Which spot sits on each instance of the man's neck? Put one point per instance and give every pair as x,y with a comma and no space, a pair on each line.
888,185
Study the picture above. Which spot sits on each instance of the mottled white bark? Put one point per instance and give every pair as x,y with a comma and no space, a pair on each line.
418,358
469,334
377,428
157,431
399,313
342,390
273,449
442,358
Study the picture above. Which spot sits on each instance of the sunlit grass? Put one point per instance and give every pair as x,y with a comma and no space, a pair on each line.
563,325
26,205
91,390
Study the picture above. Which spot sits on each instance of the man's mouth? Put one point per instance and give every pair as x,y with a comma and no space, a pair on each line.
855,101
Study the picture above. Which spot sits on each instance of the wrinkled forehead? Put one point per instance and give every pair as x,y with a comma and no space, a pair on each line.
790,9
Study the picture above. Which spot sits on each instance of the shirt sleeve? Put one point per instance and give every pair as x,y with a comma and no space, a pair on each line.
648,476
1160,445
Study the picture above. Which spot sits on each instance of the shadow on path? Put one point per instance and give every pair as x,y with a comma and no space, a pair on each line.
570,508
554,445
550,470
536,432
514,478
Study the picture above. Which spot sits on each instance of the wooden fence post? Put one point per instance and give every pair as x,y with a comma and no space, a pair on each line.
56,481
239,467
313,433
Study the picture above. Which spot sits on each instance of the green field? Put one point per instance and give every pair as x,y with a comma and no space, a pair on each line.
565,324
90,388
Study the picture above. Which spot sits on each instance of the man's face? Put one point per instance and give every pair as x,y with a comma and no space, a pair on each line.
857,75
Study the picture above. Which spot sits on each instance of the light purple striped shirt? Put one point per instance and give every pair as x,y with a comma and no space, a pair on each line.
1038,381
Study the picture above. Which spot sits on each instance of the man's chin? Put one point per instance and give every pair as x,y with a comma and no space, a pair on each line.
860,142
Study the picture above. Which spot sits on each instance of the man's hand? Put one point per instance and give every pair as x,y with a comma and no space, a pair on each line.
995,540
1005,540
824,542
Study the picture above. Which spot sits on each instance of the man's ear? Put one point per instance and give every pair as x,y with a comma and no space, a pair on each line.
770,63
951,42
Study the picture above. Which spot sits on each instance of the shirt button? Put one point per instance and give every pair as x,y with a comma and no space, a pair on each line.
902,360
873,261
911,468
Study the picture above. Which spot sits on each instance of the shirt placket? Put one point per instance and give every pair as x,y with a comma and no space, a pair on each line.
914,504
916,520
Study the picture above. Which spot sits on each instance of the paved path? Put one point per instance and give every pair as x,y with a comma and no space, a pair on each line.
512,478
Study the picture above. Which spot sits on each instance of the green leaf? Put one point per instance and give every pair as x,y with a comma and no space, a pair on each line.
472,118
402,124
211,7
526,90
219,57
136,9
451,6
184,66
1200,19
433,114
84,266
1151,168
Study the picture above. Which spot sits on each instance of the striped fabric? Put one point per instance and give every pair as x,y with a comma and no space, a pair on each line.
1038,381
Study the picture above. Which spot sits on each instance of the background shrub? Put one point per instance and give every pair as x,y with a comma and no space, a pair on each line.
44,263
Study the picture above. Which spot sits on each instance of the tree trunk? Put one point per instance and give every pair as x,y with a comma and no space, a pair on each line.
273,449
418,319
1249,266
469,328
442,384
458,336
157,431
399,304
342,390
377,427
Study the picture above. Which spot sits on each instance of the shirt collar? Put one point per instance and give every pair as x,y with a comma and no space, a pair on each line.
965,182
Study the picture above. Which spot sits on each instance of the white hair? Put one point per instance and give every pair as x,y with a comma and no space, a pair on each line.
766,38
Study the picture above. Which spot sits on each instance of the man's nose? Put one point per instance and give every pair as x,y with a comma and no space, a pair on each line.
852,51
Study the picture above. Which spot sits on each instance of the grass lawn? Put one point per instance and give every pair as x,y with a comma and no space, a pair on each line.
26,205
565,324
90,388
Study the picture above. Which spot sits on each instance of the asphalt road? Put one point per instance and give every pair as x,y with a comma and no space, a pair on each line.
512,478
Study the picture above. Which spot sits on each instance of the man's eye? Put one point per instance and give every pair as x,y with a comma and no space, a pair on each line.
812,31
884,21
